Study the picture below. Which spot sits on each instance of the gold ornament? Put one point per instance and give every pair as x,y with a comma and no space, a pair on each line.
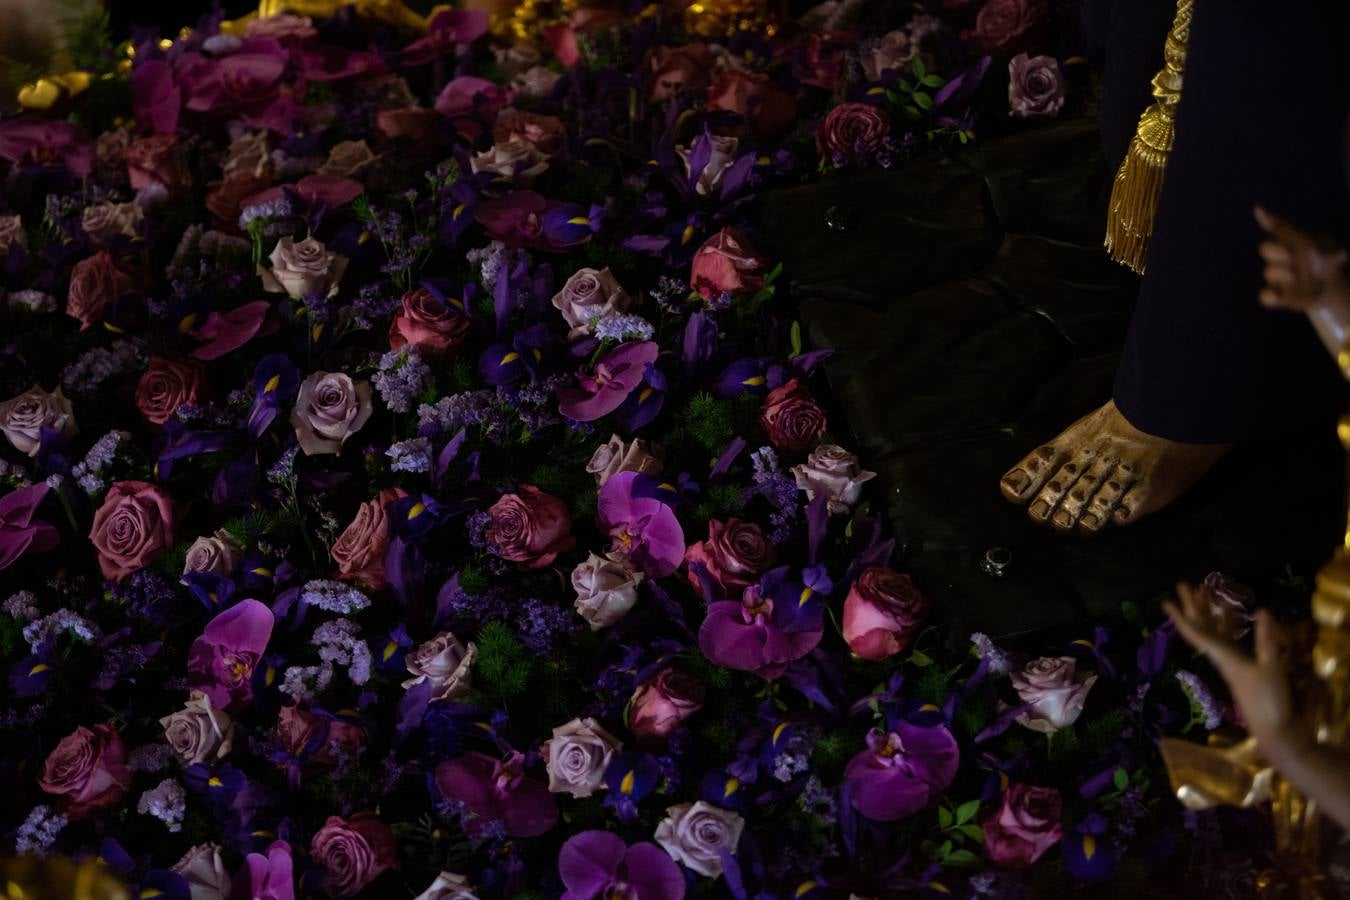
724,18
29,878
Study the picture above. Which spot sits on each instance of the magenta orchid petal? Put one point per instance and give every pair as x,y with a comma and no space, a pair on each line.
588,862
19,534
498,791
228,331
156,98
47,141
641,528
902,772
655,875
615,376
221,661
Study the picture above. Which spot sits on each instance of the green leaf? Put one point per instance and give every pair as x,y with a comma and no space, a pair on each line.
966,811
1121,779
796,338
912,112
893,97
944,817
920,659
933,81
1130,610
917,65
961,857
974,832
921,100
904,85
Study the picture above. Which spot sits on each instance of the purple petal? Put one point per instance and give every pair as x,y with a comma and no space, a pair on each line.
589,861
243,628
654,873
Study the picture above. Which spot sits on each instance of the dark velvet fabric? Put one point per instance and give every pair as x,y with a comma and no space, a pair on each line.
1262,116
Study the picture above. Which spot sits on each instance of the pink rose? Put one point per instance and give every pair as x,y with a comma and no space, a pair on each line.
882,612
562,37
834,470
199,732
249,154
105,221
312,737
23,418
589,295
852,132
735,554
893,51
12,233
545,132
792,419
577,756
94,283
1035,87
615,456
88,771
329,408
444,662
448,886
1003,24
658,706
355,852
697,834
430,324
721,158
679,69
769,110
217,554
726,264
606,590
155,160
167,384
303,268
347,159
360,550
530,527
515,160
132,528
1054,690
1025,826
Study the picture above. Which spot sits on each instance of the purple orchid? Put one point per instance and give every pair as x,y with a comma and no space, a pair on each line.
498,791
228,331
221,661
902,771
777,621
47,141
267,877
616,375
156,99
445,30
642,527
19,534
598,864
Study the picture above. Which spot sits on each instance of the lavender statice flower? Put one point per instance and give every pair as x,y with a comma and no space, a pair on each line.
282,471
118,662
152,194
373,304
490,261
670,293
623,327
543,628
269,209
449,414
166,801
996,660
39,831
340,643
55,480
401,378
147,595
22,605
1204,706
88,472
101,363
41,634
187,246
33,301
333,596
221,44
780,489
818,800
410,456
303,683
150,758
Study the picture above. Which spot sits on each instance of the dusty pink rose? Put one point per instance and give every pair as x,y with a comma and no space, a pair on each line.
1025,826
606,590
23,418
616,455
1053,690
852,132
360,550
433,326
1003,24
535,82
697,834
768,109
721,158
576,757
165,385
792,418
517,160
545,132
726,264
530,527
217,554
94,283
355,852
658,706
679,69
329,409
303,268
1035,87
882,612
12,233
735,554
347,159
588,295
893,51
110,151
835,471
249,154
132,528
312,737
444,662
105,221
448,886
88,771
199,732
205,873
517,58
155,160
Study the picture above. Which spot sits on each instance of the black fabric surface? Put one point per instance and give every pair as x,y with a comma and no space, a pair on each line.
975,315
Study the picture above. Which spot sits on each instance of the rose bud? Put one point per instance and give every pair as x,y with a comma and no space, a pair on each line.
167,384
661,704
768,109
606,590
429,324
529,527
834,470
852,132
1004,24
792,419
1025,826
735,554
882,612
88,770
132,528
726,264
577,756
23,418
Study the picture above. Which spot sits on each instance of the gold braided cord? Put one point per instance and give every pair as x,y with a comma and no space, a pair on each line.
1138,183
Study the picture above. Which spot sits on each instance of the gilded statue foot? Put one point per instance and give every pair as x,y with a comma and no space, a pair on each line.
1102,470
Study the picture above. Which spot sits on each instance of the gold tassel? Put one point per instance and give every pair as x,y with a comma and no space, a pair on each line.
1134,195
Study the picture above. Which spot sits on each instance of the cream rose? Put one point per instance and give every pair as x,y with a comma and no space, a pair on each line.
504,159
204,871
303,268
588,295
446,663
1054,690
347,159
249,155
216,553
695,834
199,732
834,470
22,418
606,590
576,757
329,409
615,456
12,233
106,221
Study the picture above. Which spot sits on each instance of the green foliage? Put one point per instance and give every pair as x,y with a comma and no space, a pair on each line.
832,751
173,561
11,630
1062,745
720,501
709,421
972,719
502,661
720,735
87,36
1104,730
460,376
473,581
932,685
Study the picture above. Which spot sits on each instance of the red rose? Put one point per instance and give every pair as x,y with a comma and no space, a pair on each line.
1003,24
88,770
792,419
132,527
359,551
853,131
301,731
661,704
1025,826
679,69
726,264
735,554
530,527
154,159
768,110
430,324
354,851
94,283
882,611
165,385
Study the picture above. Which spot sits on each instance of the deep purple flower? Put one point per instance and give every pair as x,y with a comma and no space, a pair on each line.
47,141
598,864
19,534
643,404
743,376
445,30
275,381
643,529
777,621
616,375
221,661
155,99
630,777
267,877
498,791
902,771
